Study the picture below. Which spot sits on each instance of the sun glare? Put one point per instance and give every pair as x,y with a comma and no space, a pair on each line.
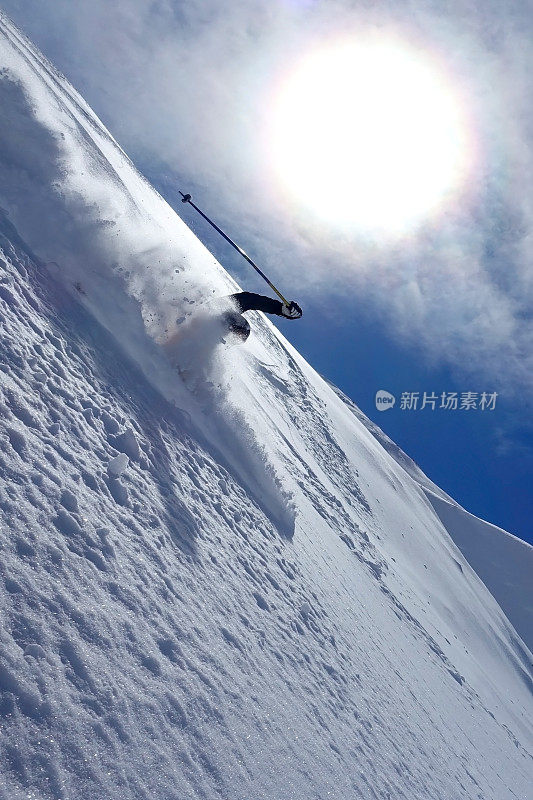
369,135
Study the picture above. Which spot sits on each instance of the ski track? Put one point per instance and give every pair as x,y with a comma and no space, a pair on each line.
231,591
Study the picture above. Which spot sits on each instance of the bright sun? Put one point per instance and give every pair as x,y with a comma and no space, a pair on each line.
369,135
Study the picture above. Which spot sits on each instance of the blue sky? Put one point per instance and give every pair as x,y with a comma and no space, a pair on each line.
186,89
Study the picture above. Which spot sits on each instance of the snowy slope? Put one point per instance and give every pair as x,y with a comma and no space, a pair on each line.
502,561
216,584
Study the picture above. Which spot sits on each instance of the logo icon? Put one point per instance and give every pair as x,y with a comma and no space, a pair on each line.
384,400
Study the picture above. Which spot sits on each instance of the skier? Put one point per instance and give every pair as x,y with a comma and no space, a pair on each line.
248,301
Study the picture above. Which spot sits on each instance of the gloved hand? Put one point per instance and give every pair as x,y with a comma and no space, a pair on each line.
292,310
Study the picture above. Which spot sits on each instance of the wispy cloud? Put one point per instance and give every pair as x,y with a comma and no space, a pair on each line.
186,88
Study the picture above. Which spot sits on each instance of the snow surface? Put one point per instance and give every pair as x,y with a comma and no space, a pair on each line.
215,580
504,562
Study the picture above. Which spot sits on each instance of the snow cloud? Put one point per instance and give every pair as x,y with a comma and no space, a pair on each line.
186,88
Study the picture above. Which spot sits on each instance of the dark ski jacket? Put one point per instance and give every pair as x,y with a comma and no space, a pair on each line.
248,301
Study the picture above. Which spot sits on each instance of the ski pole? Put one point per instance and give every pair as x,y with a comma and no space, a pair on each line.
187,199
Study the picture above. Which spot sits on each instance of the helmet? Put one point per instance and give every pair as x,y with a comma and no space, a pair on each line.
236,324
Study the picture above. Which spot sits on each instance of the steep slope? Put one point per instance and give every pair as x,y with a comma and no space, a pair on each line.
503,562
219,584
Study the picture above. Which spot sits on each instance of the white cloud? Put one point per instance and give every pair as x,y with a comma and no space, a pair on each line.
186,89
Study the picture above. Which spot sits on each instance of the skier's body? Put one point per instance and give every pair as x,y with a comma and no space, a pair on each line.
248,301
